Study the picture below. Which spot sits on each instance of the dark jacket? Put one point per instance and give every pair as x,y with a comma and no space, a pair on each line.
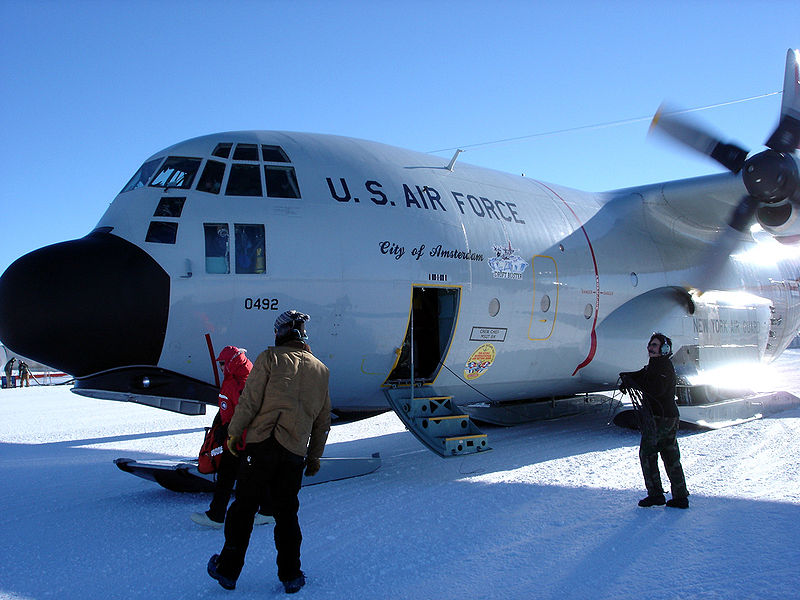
657,383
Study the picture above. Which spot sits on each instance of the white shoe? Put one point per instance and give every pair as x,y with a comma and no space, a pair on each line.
202,519
260,519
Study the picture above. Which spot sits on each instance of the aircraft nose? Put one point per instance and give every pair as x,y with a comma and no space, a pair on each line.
85,305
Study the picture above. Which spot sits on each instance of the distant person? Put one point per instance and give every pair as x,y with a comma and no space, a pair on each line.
8,370
285,408
235,369
24,374
653,391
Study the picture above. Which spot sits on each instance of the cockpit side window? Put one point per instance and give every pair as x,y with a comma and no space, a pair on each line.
142,175
217,237
170,207
281,182
211,179
162,232
177,172
250,249
244,180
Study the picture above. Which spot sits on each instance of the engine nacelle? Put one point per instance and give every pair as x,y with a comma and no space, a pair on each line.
781,220
774,179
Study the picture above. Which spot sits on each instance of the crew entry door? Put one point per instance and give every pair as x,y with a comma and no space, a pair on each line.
545,298
434,312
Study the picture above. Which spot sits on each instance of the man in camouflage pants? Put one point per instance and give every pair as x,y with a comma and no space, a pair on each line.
652,390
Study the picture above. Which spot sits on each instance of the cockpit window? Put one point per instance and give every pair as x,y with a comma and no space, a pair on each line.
244,180
274,154
250,250
246,152
281,182
223,150
177,172
170,207
142,175
162,232
217,247
211,179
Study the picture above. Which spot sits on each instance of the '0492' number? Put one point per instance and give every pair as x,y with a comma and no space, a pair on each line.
261,304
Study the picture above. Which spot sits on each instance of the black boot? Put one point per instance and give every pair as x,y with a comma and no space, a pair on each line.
653,501
293,585
226,582
678,503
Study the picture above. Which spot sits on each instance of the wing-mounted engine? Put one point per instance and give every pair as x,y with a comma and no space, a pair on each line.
772,177
779,218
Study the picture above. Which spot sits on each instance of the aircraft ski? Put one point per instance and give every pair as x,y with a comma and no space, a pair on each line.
183,476
517,413
722,413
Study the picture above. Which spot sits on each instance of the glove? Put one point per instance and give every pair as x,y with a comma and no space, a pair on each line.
312,466
624,385
234,441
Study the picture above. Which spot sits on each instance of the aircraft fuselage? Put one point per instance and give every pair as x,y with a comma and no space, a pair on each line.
523,289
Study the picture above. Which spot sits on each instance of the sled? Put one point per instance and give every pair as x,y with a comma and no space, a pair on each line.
183,476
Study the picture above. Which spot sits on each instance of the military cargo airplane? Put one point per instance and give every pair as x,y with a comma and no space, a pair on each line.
422,277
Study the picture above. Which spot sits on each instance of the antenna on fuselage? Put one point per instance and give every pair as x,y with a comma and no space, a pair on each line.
453,160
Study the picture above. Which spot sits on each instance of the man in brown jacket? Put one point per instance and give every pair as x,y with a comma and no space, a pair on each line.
285,408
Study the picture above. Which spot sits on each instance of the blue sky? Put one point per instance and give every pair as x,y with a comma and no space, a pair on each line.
91,89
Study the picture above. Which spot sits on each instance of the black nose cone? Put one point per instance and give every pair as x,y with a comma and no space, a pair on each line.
85,305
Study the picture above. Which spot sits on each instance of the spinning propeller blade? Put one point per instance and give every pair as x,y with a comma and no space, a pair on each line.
770,176
786,138
677,125
729,239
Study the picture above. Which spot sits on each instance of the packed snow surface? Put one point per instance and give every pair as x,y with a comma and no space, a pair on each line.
549,513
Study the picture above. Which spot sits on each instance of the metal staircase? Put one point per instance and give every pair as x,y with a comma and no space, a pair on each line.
437,422
434,420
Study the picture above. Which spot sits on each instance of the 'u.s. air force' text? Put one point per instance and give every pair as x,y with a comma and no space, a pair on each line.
428,198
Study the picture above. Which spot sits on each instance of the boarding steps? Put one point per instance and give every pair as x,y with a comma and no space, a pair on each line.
438,423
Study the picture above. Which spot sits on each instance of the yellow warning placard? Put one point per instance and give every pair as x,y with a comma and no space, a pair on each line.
480,361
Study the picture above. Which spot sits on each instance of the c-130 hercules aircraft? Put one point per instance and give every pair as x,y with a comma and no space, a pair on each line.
430,285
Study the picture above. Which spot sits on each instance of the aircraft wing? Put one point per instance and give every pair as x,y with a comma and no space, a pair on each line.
698,208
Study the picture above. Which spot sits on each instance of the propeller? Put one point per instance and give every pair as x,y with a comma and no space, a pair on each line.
786,138
770,176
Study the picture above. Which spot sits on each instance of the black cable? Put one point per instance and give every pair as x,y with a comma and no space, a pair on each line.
492,402
601,125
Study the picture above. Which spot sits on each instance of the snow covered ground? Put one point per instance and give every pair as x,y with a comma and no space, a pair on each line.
549,513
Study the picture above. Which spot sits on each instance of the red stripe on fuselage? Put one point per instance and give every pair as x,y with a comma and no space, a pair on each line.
593,335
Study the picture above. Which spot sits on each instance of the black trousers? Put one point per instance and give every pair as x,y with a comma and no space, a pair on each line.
223,487
227,471
266,466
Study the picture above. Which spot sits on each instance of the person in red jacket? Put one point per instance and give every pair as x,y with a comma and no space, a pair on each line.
235,368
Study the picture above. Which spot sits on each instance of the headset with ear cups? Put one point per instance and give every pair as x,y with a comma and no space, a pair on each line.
298,328
666,343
